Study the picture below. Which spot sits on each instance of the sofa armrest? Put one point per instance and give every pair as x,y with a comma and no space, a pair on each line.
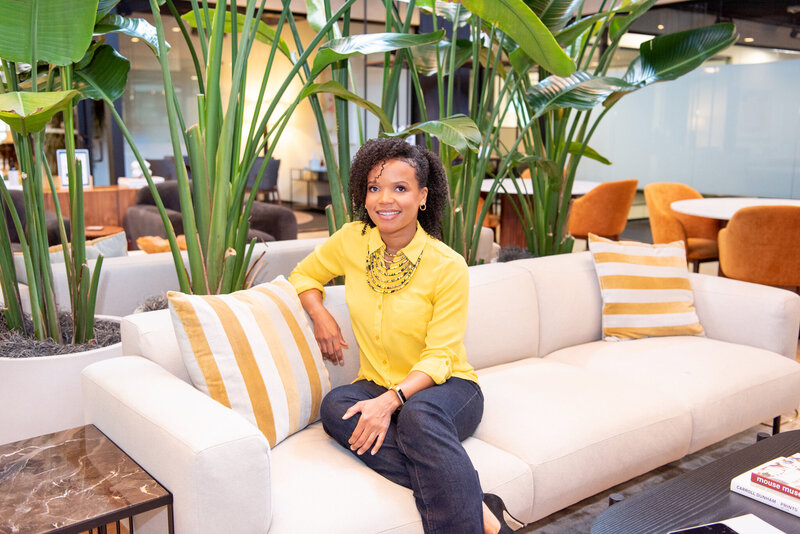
215,463
748,314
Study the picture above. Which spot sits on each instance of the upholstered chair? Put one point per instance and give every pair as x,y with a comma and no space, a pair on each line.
761,244
602,211
699,234
268,222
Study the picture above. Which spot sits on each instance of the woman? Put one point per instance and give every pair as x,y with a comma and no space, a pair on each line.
416,397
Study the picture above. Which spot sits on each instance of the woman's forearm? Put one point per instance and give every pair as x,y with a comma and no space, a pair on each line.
415,382
311,299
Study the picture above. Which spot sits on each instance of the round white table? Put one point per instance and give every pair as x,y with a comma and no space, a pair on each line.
579,187
723,208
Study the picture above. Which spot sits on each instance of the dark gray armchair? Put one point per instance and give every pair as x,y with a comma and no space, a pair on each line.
50,219
268,222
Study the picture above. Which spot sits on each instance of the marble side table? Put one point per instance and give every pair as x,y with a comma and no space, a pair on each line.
73,481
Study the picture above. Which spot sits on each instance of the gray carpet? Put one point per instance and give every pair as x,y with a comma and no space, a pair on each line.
579,517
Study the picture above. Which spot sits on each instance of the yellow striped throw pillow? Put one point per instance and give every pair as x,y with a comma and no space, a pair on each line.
645,289
254,352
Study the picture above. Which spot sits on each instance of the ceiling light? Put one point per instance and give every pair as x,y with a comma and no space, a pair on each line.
660,26
134,39
748,39
176,29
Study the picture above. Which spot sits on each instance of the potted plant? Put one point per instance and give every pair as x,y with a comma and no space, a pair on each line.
49,49
467,144
555,115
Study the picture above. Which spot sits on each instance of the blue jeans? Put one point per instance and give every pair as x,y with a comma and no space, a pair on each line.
422,448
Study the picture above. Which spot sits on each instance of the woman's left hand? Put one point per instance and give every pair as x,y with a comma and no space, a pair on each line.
376,414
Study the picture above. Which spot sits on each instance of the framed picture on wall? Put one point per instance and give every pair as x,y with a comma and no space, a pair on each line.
82,156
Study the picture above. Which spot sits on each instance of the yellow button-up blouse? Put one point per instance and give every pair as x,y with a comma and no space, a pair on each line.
417,328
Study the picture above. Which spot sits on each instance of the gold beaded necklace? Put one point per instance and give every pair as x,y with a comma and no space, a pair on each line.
387,273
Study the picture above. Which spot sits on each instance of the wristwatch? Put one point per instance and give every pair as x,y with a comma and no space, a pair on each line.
400,395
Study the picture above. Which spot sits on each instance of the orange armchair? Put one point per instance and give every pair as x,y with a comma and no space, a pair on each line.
699,234
761,244
603,210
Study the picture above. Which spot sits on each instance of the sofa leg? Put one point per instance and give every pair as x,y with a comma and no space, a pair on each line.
615,498
776,425
762,435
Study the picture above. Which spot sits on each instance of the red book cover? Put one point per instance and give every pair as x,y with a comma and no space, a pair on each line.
782,474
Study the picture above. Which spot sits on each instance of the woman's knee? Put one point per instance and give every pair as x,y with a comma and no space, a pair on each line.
334,404
418,416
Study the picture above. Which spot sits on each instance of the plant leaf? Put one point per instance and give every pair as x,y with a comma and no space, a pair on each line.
53,31
580,90
336,89
458,131
554,13
524,27
576,146
550,167
135,27
425,56
446,10
29,112
264,33
105,75
104,8
315,15
568,35
621,24
671,56
372,43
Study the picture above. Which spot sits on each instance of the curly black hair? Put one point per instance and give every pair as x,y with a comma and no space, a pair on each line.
428,170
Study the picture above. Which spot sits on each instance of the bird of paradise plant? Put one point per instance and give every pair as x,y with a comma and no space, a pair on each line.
62,45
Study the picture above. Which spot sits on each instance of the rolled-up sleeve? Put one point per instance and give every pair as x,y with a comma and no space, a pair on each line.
319,267
444,340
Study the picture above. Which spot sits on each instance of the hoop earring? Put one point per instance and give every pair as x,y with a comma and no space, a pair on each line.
423,207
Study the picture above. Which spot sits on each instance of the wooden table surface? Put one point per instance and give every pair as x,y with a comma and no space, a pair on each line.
102,206
702,496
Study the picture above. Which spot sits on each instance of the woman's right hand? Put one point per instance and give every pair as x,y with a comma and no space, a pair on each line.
329,337
326,329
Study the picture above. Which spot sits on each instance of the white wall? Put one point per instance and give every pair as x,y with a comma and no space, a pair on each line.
725,129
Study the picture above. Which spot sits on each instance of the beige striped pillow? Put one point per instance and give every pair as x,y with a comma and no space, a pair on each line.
254,352
645,289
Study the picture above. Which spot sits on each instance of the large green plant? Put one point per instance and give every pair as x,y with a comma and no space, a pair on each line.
467,144
556,114
55,40
221,151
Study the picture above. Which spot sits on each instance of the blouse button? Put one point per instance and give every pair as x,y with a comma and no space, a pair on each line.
385,362
377,338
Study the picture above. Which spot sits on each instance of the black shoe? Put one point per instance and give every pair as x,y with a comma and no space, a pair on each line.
496,505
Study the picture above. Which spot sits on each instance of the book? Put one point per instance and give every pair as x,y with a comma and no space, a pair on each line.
781,474
743,485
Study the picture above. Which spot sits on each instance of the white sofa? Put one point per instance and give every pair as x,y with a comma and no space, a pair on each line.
566,416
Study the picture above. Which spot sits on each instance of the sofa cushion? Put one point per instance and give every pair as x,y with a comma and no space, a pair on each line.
348,487
579,431
646,290
726,386
496,338
254,352
568,298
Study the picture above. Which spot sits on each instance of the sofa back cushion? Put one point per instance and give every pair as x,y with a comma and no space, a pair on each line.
568,297
503,319
254,352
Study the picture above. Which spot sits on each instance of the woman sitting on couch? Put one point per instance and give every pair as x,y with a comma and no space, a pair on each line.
416,397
